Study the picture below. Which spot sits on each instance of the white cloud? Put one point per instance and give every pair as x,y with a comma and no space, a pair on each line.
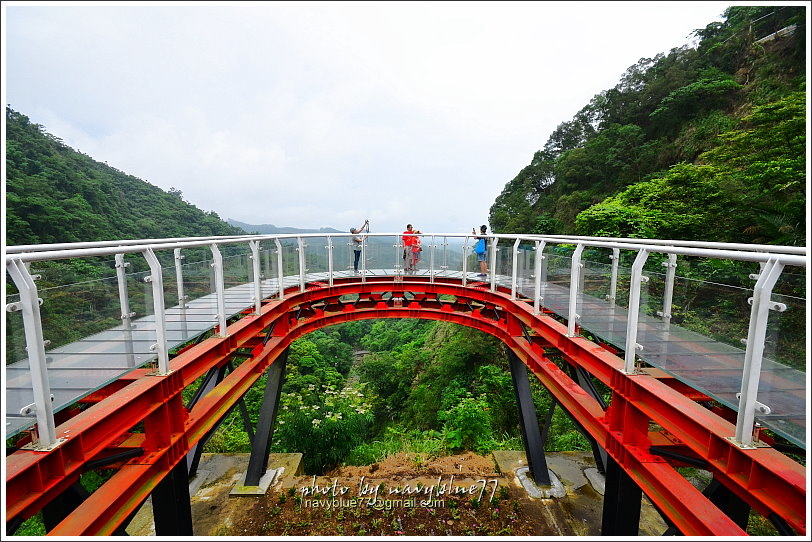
323,114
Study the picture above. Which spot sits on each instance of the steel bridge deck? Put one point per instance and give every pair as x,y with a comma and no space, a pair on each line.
708,366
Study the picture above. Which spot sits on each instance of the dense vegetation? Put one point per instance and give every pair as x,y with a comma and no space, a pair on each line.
704,143
428,388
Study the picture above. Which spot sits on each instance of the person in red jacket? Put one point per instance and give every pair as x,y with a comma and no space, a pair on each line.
409,239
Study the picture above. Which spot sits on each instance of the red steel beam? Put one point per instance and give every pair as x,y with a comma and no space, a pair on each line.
642,400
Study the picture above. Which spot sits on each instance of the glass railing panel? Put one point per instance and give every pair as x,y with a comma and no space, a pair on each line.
557,284
449,256
599,315
384,255
269,270
344,255
504,263
525,259
290,262
78,310
782,385
15,332
17,378
237,279
316,257
198,279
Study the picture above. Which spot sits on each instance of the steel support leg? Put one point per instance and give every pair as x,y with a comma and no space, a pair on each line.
213,377
728,502
59,508
621,503
531,436
586,383
261,448
171,506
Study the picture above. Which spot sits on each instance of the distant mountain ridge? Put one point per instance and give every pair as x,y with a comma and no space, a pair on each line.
271,229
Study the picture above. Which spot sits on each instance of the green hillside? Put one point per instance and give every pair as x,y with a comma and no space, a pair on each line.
704,143
57,195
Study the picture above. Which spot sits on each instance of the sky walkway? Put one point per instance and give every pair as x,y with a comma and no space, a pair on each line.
712,366
702,340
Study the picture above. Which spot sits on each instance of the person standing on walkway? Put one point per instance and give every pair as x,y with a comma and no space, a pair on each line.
358,242
481,249
416,249
408,240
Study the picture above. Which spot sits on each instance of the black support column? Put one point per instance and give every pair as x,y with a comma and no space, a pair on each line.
58,509
261,448
728,502
531,436
621,503
171,506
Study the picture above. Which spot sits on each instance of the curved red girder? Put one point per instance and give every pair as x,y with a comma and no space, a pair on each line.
767,480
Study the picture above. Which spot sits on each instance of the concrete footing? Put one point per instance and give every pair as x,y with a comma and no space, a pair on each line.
265,482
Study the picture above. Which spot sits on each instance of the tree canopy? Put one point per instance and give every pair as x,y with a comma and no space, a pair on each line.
686,146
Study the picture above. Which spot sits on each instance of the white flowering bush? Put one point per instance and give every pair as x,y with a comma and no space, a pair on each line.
323,423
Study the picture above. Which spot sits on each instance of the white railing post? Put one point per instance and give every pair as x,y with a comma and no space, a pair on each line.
444,259
159,306
575,281
637,279
668,293
329,248
219,289
515,276
492,266
35,345
432,246
179,277
538,298
123,292
302,263
615,257
280,272
756,335
465,261
399,260
255,265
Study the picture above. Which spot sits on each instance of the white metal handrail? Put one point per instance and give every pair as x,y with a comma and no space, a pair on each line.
772,259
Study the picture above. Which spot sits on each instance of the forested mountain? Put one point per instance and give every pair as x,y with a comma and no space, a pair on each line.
271,229
57,195
704,143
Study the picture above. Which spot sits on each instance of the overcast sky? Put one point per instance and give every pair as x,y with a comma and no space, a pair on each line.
324,114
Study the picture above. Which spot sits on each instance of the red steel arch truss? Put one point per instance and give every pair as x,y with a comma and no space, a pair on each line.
648,409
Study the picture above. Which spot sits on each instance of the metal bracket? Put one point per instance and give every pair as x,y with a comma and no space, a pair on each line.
14,307
643,278
125,316
31,410
760,408
774,305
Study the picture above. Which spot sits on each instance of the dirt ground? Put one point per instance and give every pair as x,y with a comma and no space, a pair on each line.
413,500
402,495
459,495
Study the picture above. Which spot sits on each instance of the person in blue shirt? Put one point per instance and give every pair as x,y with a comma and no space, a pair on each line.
481,249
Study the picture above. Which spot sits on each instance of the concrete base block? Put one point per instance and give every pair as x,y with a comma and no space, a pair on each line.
597,480
555,490
264,483
197,481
